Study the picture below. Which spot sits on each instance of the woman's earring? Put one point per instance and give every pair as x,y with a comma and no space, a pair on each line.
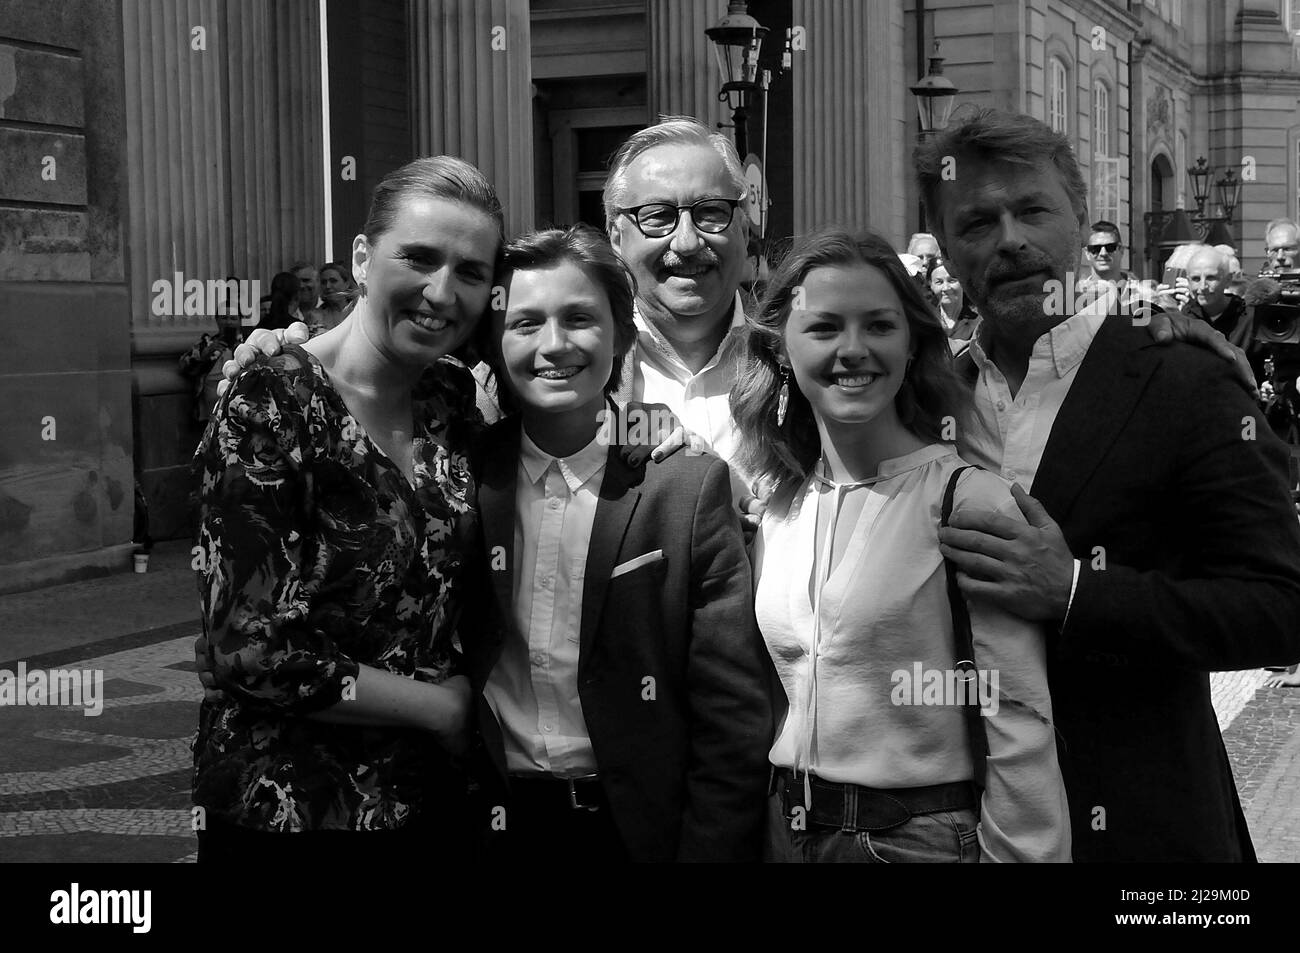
783,396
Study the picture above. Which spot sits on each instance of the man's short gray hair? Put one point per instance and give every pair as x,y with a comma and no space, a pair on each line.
1279,223
668,130
1221,261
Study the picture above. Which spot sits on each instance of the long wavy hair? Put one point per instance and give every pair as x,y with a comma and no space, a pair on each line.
784,456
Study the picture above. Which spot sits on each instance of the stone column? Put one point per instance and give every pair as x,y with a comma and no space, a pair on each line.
471,92
683,71
850,128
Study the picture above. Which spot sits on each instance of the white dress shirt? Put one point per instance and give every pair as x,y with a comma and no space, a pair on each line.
883,610
700,400
533,689
1009,434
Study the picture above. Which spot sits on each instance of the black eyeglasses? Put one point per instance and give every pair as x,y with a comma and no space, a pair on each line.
1108,246
657,219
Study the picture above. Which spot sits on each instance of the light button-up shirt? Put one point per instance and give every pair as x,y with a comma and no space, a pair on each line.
534,687
701,400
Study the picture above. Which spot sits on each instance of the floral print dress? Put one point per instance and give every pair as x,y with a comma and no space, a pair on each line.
316,555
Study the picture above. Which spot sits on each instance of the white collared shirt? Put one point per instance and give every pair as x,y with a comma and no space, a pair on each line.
533,689
1009,434
700,400
844,642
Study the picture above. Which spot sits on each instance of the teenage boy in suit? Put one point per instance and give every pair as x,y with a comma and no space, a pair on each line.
623,689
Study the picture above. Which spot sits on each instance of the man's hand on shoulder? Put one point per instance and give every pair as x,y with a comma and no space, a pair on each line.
1025,569
1165,327
650,431
263,343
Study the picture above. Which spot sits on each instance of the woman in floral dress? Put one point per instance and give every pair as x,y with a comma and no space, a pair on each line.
337,508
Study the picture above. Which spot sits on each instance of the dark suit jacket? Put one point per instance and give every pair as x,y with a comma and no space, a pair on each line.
1161,458
686,773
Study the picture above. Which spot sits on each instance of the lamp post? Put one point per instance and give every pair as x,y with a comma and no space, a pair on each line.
1167,230
737,41
934,94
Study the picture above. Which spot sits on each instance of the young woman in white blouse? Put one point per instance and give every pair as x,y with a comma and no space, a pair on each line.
847,408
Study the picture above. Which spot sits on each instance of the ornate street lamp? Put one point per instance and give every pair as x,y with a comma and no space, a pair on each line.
1165,230
738,39
1200,175
934,94
1229,193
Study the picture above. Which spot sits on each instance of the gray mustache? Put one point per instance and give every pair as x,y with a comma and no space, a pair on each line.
673,260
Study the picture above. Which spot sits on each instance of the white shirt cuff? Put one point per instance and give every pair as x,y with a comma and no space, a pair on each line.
1074,584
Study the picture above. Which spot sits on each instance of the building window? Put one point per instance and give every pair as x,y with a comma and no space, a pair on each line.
1100,119
1105,188
1057,100
1291,11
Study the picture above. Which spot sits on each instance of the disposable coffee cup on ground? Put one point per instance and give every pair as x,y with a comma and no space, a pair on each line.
141,562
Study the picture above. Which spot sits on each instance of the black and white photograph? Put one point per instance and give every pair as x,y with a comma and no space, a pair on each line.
477,436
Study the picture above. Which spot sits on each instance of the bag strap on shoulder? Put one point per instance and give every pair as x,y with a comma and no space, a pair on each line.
964,643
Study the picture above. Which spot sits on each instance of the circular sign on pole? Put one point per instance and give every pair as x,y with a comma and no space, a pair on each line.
756,181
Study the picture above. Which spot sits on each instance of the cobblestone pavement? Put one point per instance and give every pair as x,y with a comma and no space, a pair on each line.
115,787
108,787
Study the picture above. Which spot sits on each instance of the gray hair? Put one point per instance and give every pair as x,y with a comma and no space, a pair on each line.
1278,223
996,135
669,130
918,237
1222,264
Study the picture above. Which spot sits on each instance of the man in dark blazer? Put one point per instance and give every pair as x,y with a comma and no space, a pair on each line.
1162,544
672,674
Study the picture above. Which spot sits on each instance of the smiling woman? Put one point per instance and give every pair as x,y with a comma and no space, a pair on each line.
847,406
337,506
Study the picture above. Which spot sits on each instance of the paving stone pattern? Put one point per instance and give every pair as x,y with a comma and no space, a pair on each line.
116,787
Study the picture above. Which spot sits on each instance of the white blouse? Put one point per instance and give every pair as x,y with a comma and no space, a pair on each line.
872,700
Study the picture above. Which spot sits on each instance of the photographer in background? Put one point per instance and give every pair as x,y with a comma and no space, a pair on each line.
1274,303
1209,272
1281,245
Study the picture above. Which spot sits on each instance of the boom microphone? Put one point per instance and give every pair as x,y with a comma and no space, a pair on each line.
1262,291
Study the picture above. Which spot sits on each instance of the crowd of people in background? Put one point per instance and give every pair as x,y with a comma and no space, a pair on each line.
1202,281
318,297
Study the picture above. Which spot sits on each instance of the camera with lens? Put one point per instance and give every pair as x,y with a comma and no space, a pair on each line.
1275,298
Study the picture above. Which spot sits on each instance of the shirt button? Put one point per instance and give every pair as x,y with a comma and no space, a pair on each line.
546,582
1011,474
1002,405
554,504
539,658
548,728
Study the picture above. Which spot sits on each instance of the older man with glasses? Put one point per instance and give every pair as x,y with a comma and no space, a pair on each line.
671,203
1281,245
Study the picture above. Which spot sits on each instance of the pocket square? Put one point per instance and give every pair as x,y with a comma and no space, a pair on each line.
637,563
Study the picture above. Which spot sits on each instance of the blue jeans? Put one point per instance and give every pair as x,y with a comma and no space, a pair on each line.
945,837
